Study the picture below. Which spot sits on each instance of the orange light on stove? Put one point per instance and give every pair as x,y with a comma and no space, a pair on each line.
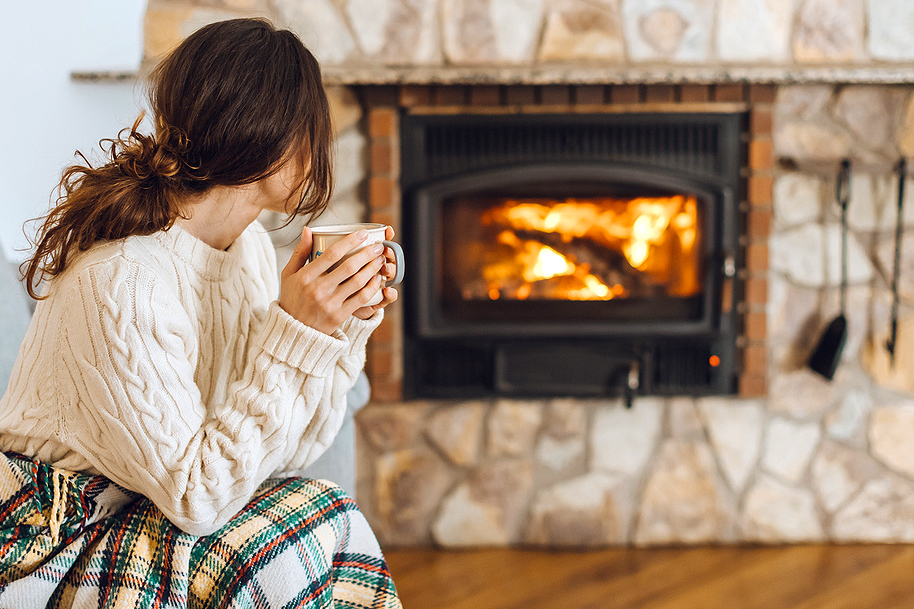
714,361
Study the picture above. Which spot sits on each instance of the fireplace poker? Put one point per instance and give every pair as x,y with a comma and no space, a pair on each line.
827,354
901,168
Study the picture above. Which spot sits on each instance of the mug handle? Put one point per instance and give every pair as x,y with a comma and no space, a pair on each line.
399,261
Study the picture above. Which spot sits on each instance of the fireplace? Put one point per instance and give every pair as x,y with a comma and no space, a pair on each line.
571,253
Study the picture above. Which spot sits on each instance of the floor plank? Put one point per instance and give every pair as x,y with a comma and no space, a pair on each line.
790,577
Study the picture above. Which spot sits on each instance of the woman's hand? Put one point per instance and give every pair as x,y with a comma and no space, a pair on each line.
324,299
387,272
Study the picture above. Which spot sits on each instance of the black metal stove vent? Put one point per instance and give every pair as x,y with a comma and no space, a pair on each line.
615,352
447,146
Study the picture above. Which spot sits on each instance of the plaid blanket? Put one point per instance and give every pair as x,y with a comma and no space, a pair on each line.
76,540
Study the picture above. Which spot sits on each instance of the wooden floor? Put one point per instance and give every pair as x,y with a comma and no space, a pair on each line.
792,577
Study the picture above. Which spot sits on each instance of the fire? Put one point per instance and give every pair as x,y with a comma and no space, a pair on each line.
588,249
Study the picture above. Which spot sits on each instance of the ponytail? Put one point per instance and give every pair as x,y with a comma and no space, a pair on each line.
134,193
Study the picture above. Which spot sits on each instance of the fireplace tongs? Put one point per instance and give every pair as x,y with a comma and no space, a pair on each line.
890,344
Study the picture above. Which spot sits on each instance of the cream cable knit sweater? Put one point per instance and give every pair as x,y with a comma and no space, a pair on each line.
167,366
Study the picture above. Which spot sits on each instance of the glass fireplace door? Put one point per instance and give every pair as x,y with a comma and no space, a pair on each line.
570,249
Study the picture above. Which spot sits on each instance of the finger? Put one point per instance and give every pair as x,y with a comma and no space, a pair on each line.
369,255
361,279
389,295
300,254
361,297
389,233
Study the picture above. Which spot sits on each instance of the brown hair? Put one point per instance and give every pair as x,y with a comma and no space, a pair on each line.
231,104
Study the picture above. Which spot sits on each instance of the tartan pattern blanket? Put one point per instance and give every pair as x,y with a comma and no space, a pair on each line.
77,540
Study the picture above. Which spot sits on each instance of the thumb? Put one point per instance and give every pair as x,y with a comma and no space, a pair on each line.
300,254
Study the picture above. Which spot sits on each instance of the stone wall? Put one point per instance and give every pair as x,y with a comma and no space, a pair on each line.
803,458
591,36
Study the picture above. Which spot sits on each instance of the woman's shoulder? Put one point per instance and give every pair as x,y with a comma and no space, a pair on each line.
120,259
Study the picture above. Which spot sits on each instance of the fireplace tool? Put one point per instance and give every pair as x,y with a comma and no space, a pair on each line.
896,268
827,354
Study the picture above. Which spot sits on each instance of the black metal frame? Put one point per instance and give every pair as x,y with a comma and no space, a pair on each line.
612,347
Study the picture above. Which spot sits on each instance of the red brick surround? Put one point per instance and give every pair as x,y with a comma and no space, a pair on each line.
382,108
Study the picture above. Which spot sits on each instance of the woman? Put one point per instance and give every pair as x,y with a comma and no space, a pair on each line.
163,390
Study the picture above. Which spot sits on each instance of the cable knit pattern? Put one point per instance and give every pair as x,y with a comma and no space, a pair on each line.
168,366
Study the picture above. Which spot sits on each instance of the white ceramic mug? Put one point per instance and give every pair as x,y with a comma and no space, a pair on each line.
325,236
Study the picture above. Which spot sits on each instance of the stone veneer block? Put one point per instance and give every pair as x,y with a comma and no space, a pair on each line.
409,486
682,418
830,31
838,472
846,421
320,26
512,427
754,30
802,394
671,30
457,431
565,418
487,508
582,30
776,512
881,511
890,432
637,429
890,34
735,431
396,31
683,500
798,199
491,31
815,142
789,446
589,511
809,255
873,203
872,114
561,456
389,427
801,102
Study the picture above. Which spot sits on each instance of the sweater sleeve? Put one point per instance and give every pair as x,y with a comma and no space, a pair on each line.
323,429
136,413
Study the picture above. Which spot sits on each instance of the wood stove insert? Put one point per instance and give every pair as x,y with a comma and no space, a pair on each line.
571,254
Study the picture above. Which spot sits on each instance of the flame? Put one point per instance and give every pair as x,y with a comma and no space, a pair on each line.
590,249
549,263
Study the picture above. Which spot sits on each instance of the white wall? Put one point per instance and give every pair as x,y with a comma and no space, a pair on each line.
44,115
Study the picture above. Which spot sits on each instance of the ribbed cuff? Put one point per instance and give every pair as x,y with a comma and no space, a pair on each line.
359,330
301,346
